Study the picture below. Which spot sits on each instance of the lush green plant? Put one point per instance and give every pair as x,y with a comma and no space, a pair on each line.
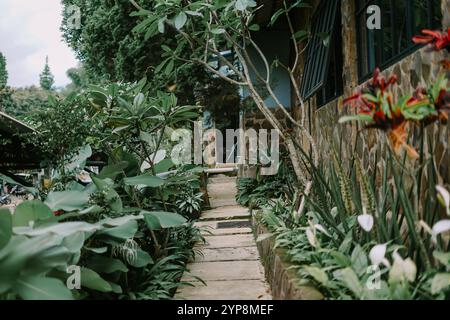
189,203
258,192
3,72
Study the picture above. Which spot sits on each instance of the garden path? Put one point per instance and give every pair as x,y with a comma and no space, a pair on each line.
229,263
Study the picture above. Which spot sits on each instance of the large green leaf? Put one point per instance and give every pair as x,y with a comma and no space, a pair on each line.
145,180
41,288
14,182
161,220
122,232
79,160
30,211
67,200
61,229
102,264
143,259
112,170
92,280
350,280
5,227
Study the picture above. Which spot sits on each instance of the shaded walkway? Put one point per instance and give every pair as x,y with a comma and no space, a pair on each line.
230,263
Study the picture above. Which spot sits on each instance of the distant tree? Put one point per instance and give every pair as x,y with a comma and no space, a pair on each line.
3,72
79,80
111,50
6,100
27,101
46,77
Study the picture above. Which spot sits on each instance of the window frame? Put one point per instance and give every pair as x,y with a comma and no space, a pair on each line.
378,36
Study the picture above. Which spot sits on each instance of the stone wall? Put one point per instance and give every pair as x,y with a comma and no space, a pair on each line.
419,68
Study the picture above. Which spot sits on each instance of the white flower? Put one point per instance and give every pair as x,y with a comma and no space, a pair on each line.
366,222
310,234
402,269
445,197
377,255
440,227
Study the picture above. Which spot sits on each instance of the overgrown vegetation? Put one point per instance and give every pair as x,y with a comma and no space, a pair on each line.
124,229
362,233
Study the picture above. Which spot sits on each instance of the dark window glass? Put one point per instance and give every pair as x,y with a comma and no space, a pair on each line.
333,86
401,20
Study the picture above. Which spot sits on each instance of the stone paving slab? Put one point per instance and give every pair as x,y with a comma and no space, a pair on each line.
229,263
230,241
226,213
225,271
227,290
229,254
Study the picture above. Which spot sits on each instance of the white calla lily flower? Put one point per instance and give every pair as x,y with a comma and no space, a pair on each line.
377,254
366,222
445,197
440,227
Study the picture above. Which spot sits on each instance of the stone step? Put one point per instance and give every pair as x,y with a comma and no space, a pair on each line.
224,271
228,254
226,213
229,241
226,290
219,180
211,228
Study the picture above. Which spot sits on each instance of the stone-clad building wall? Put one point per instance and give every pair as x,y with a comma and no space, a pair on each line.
420,67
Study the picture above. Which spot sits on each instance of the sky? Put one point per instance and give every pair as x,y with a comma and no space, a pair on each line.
29,31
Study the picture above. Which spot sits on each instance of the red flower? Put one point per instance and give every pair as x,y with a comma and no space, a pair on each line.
437,39
58,213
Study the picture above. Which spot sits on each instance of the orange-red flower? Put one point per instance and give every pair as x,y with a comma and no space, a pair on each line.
438,40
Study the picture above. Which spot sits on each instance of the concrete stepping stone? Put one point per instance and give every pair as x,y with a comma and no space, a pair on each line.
229,254
224,271
226,213
211,228
230,241
229,261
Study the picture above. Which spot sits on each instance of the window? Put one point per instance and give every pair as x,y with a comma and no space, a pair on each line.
321,73
401,20
333,86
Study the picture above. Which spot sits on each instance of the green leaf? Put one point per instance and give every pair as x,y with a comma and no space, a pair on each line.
40,288
145,180
5,227
112,171
161,220
242,5
163,166
360,117
180,20
254,27
122,232
218,31
359,260
103,264
350,280
67,200
79,161
30,211
161,25
92,280
440,282
301,35
143,259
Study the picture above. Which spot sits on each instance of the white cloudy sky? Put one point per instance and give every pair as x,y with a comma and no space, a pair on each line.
29,30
